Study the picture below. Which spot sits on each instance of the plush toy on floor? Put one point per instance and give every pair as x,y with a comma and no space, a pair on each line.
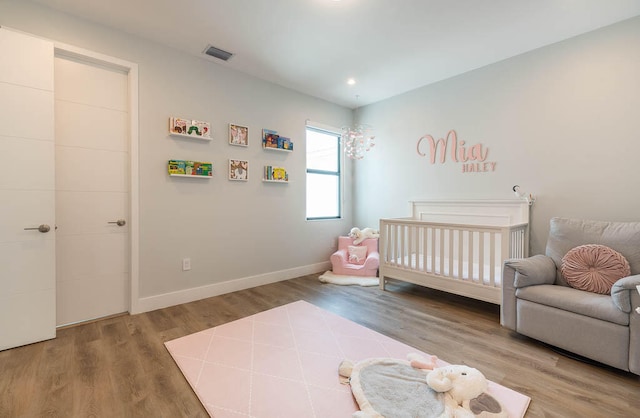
465,392
360,235
389,388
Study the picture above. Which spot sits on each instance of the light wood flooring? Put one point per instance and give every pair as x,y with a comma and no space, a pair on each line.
119,367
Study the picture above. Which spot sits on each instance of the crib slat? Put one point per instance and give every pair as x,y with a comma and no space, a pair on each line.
425,241
387,256
470,257
389,246
394,245
433,249
401,245
460,255
441,250
450,253
492,258
416,248
409,249
481,257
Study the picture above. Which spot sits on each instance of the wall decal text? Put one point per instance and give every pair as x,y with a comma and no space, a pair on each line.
473,158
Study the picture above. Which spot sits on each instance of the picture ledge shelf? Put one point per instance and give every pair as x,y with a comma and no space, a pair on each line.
190,175
275,181
277,149
201,138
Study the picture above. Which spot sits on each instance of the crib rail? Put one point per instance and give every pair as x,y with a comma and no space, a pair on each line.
471,255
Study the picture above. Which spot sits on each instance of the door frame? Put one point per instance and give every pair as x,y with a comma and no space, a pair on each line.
131,69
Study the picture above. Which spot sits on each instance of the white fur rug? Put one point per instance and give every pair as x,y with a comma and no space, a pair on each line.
329,277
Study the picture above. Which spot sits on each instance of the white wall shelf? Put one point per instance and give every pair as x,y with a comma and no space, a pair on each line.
277,149
189,128
275,181
201,138
190,175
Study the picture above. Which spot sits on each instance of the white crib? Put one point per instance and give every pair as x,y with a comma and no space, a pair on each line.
455,246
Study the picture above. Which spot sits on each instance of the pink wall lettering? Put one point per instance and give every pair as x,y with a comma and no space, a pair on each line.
459,152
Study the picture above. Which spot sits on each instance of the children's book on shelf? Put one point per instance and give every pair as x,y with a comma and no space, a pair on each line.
271,139
280,173
190,127
285,143
275,173
190,168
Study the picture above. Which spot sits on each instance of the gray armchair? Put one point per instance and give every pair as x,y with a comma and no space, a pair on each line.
538,302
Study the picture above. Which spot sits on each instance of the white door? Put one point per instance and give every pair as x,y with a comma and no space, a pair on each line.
27,256
92,190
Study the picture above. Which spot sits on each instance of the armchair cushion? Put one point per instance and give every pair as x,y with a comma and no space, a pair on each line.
594,268
577,301
565,234
531,271
357,255
620,292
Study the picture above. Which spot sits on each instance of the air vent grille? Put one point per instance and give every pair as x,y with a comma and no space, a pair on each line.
217,53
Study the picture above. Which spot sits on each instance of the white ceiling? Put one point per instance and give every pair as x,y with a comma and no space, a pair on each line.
387,46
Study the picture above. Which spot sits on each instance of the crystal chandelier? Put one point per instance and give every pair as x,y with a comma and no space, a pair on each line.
357,140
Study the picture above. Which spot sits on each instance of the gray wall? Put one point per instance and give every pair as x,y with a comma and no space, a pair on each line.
230,230
561,121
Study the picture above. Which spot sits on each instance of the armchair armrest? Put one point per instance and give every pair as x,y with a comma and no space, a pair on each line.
522,272
621,292
372,261
339,257
626,297
532,271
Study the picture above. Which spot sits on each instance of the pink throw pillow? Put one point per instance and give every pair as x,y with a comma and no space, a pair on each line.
594,268
357,255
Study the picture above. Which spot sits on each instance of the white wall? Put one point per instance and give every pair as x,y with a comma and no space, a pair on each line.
230,230
561,121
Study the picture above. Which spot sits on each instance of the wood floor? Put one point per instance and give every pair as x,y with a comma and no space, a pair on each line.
119,367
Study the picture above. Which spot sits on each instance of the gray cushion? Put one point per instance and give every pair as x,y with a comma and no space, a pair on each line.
565,234
620,292
602,341
577,301
535,270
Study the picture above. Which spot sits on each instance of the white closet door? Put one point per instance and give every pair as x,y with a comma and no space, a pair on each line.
27,190
92,189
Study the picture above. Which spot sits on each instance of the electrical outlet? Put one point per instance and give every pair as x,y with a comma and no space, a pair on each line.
186,264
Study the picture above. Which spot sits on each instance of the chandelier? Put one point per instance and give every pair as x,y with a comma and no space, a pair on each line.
357,141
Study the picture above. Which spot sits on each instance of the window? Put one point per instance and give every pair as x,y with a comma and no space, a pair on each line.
324,182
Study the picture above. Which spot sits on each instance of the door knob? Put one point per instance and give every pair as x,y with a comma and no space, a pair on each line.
119,222
44,228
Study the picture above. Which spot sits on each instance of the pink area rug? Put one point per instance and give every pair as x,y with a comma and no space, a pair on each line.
284,363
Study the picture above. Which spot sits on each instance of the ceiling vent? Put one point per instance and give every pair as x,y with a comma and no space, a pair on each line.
217,53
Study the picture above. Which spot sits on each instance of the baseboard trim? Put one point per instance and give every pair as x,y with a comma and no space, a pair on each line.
165,300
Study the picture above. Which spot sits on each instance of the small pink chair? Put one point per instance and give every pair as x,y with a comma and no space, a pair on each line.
342,266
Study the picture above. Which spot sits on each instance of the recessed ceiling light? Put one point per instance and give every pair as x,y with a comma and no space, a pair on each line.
351,81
